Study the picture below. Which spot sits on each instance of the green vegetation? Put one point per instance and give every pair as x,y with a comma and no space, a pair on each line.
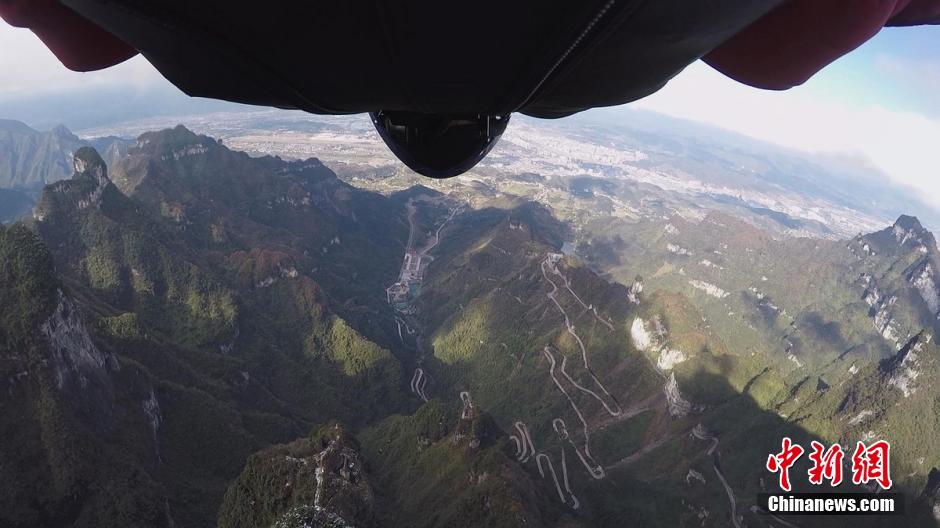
355,353
318,480
461,342
212,367
28,290
623,439
430,477
233,303
123,326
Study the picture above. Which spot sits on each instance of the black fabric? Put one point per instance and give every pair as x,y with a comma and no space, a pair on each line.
490,57
439,145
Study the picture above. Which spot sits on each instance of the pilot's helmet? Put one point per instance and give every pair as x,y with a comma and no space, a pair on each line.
439,146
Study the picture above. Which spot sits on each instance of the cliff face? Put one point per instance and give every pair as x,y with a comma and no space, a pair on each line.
163,337
69,413
899,279
77,362
903,370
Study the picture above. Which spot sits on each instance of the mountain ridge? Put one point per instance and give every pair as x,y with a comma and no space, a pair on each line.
221,328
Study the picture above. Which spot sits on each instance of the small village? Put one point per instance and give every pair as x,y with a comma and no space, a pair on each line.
415,263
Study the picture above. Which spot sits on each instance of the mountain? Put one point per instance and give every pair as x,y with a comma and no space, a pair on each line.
69,447
626,161
325,479
201,337
30,159
199,351
659,397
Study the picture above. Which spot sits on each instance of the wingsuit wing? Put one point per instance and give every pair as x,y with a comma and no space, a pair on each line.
790,44
543,58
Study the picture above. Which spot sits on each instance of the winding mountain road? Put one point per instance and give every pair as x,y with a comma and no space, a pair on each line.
616,409
575,503
528,448
418,382
538,461
437,234
591,307
701,433
593,467
519,446
467,412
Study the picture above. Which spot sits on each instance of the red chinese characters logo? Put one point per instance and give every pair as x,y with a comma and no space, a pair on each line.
869,463
827,464
783,461
872,463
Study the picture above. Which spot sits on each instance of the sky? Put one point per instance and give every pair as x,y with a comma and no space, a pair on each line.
881,101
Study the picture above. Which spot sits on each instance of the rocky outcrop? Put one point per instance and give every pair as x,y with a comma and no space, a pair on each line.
318,481
641,337
151,408
930,495
654,340
669,358
30,159
677,404
76,361
904,368
342,495
922,278
881,308
908,229
708,288
633,294
88,164
678,250
84,190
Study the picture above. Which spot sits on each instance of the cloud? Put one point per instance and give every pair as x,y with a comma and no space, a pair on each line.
903,144
31,69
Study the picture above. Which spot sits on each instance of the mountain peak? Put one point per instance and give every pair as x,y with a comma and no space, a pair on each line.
169,136
87,161
909,223
85,189
62,131
909,229
180,131
173,144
